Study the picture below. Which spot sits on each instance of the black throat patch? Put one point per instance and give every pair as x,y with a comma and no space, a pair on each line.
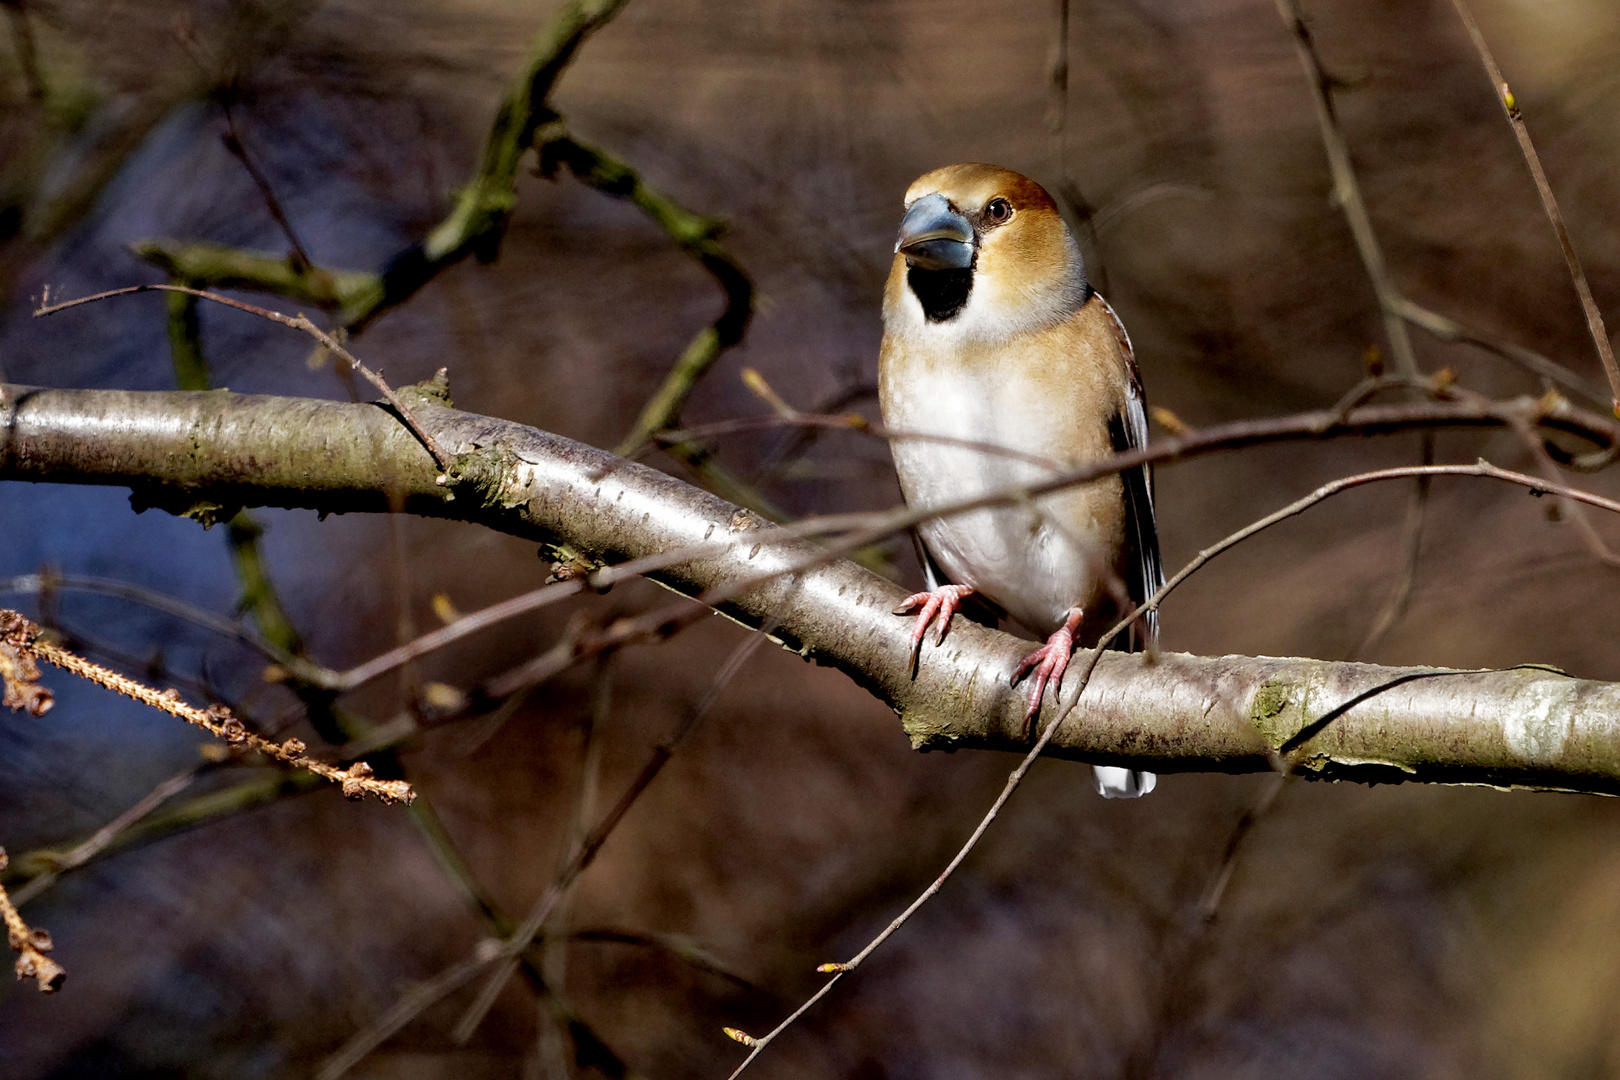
942,293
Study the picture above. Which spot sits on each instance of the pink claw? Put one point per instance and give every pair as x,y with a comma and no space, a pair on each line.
1048,663
940,604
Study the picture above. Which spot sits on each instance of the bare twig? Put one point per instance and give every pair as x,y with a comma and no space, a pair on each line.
1209,904
1395,604
263,789
838,970
555,931
297,322
1057,113
453,978
1347,190
837,422
1510,106
232,138
104,837
1480,468
773,464
1449,329
1571,507
678,946
434,640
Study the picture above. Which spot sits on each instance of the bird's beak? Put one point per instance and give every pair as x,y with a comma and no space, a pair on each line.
935,237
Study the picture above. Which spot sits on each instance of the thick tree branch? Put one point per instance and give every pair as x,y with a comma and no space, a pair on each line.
205,454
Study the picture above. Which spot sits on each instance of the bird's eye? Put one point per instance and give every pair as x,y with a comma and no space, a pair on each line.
998,211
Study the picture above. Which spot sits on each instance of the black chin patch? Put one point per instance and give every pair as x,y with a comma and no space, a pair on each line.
942,293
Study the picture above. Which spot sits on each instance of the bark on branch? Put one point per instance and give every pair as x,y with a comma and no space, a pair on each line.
206,454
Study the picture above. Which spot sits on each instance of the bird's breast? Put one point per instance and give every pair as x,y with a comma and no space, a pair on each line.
1035,412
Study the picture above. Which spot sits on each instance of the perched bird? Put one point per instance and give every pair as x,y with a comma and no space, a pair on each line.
997,351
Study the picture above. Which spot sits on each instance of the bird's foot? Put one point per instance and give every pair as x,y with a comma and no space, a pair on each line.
1048,663
939,605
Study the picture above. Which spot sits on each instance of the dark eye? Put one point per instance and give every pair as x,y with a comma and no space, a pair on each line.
998,211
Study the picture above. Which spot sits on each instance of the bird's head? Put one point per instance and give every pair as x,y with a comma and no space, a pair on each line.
982,253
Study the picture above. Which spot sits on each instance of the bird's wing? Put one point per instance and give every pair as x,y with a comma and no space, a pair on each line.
1129,431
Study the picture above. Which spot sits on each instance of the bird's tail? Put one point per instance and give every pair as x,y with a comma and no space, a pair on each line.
1114,782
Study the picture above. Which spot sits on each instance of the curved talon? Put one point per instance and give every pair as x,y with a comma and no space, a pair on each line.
1048,663
939,604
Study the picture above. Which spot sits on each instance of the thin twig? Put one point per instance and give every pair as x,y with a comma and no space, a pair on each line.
834,422
1395,604
458,975
297,322
97,842
1483,468
298,257
1510,106
556,932
434,640
1572,508
139,594
1057,115
679,946
1448,329
772,465
1347,190
839,969
1209,904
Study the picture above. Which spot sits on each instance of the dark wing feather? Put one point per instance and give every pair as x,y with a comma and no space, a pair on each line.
1129,430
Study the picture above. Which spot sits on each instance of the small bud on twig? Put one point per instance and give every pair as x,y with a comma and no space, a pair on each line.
1509,102
1172,423
756,382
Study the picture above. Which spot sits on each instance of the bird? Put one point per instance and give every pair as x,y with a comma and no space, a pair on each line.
1001,365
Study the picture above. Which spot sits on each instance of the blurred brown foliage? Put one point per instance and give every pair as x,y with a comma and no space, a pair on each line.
1386,931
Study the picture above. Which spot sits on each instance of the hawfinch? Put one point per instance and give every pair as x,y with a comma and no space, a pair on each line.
996,347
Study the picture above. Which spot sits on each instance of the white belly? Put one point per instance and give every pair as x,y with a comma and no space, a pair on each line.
1036,562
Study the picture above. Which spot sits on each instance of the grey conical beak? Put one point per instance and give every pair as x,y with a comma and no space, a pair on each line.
935,237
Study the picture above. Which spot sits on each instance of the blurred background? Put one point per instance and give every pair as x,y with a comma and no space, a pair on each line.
1389,931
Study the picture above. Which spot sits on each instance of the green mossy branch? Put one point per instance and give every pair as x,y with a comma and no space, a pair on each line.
476,225
214,266
697,236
